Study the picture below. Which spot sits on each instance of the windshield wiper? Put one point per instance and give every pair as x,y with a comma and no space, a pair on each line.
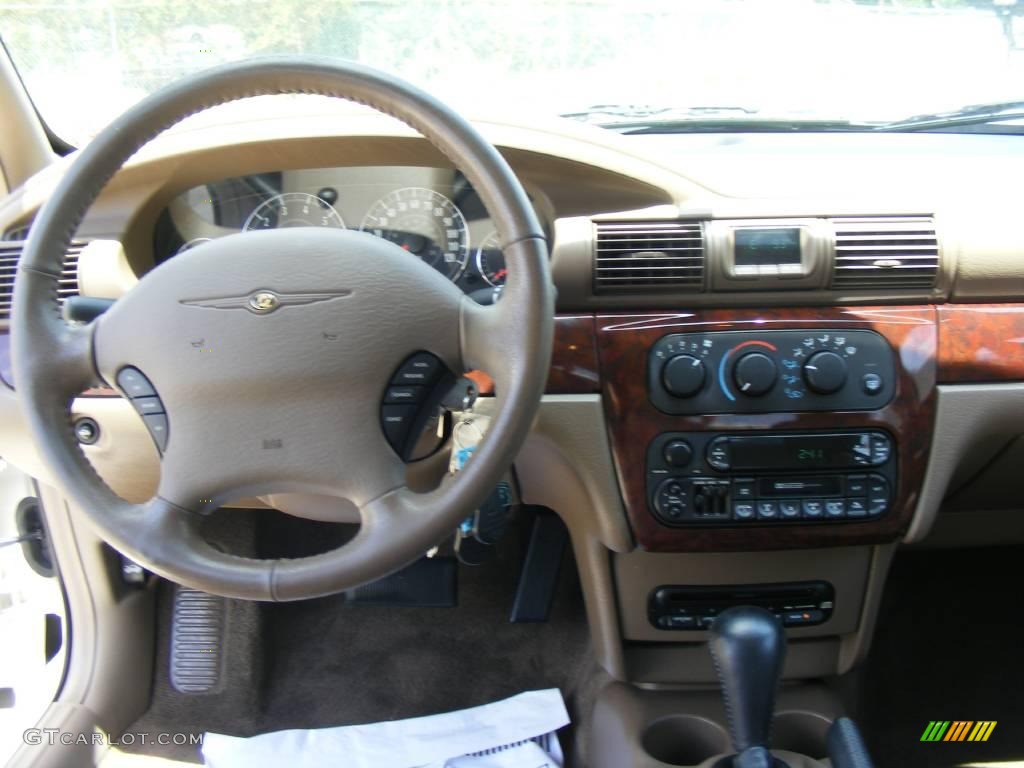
634,119
972,115
614,115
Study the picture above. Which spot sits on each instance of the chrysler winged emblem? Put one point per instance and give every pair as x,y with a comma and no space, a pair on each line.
263,302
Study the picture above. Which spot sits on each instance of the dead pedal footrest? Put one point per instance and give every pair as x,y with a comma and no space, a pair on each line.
197,630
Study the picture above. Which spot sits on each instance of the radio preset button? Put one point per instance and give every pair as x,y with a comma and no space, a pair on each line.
742,510
835,508
755,374
813,508
767,510
790,510
683,375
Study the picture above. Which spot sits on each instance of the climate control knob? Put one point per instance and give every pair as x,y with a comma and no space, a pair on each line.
825,372
683,375
755,374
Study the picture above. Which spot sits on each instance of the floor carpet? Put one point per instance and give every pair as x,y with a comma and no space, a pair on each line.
325,662
949,646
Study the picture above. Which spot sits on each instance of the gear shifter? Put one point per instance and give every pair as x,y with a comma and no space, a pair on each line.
748,647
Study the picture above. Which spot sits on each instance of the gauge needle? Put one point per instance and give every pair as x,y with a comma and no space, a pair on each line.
500,274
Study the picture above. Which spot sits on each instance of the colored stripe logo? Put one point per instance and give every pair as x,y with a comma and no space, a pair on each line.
958,730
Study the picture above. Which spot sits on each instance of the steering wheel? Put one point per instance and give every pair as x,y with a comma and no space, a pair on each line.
271,352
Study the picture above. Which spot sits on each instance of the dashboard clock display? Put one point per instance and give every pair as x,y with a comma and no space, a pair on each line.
425,223
293,209
490,261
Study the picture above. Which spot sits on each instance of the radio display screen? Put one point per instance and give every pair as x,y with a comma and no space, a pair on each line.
797,451
763,247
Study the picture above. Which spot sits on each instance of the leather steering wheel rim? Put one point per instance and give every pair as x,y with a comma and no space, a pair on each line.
211,456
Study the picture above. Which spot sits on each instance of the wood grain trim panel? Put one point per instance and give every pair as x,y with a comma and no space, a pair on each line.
623,342
981,342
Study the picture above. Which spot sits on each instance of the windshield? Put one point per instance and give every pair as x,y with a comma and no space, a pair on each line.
84,61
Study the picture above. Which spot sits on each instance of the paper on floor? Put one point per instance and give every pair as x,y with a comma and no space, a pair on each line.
469,738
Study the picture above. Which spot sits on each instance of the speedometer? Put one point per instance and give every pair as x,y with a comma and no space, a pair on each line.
293,209
425,223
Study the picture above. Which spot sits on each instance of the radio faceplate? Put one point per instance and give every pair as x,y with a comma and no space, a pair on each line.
715,478
770,371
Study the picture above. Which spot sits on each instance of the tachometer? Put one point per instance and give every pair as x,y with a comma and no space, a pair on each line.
293,209
425,223
490,261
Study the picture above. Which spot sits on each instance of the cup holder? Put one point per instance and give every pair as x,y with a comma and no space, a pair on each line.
801,732
684,740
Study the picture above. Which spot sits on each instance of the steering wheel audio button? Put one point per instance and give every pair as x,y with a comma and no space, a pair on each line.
134,384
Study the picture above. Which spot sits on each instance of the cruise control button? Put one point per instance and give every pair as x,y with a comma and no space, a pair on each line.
813,508
156,423
790,510
396,420
835,508
421,368
134,384
146,405
767,510
406,394
743,511
856,508
856,485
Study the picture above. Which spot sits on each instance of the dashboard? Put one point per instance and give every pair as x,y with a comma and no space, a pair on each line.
433,213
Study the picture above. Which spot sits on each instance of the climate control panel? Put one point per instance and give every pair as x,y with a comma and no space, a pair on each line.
770,371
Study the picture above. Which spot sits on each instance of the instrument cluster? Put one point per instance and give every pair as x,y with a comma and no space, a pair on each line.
433,213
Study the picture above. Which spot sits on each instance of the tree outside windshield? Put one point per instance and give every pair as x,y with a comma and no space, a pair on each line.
85,61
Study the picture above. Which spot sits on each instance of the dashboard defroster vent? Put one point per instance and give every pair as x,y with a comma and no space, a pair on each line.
632,256
885,253
10,253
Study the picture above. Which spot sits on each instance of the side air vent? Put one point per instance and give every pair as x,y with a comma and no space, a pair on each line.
10,253
632,256
885,253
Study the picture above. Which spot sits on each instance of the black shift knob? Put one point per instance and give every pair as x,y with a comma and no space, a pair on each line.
748,647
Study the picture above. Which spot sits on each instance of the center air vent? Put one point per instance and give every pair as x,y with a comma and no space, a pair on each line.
632,256
10,253
885,253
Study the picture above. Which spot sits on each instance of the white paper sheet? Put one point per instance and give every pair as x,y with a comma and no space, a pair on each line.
437,741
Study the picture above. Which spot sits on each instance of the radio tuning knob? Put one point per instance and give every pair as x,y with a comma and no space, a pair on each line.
754,374
683,375
825,372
